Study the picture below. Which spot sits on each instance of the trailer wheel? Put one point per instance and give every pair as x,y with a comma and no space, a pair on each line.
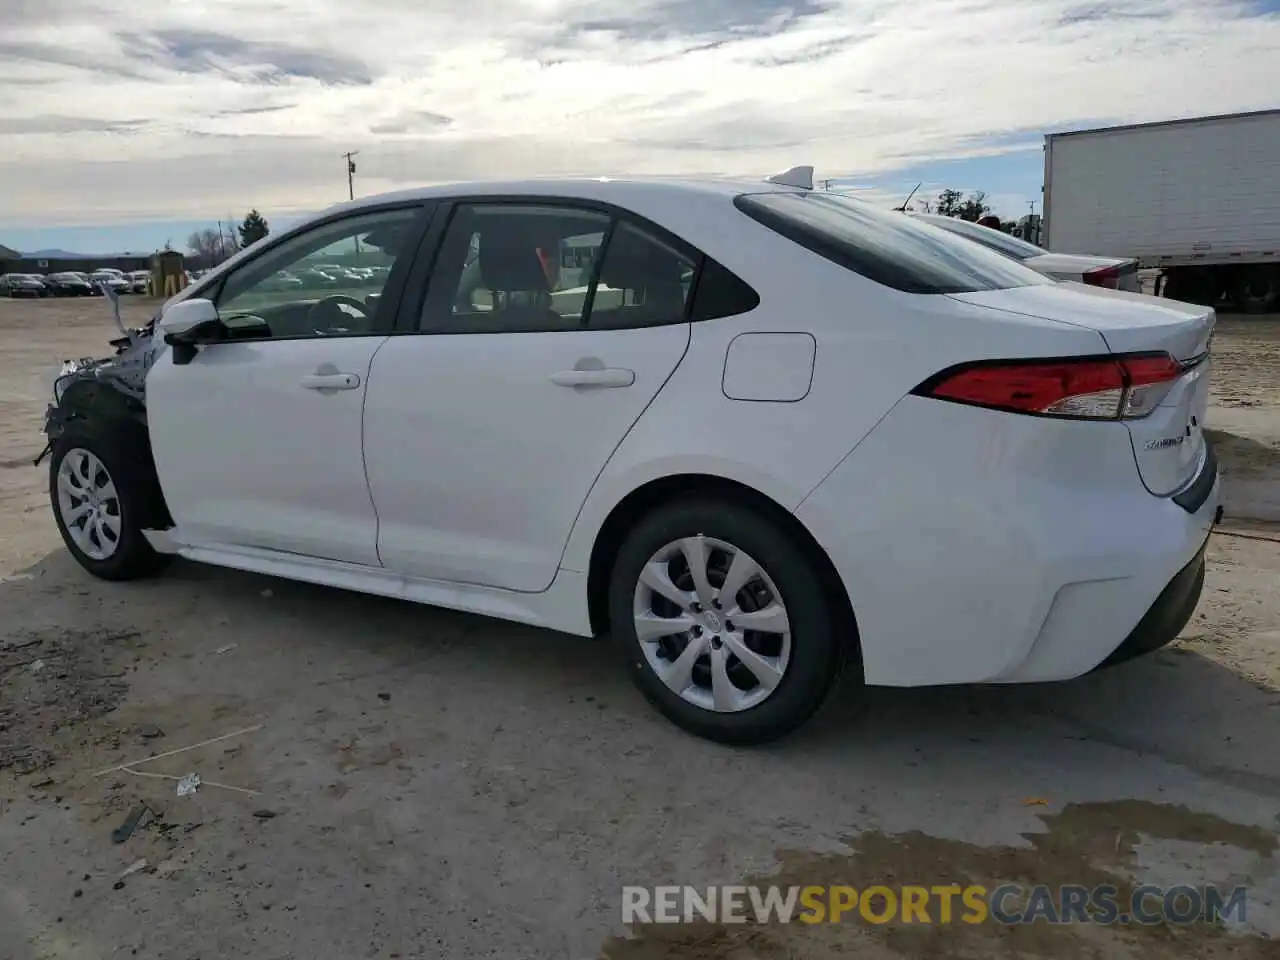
1198,285
1256,288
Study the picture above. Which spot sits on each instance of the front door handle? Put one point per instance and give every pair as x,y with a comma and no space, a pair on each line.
331,381
605,377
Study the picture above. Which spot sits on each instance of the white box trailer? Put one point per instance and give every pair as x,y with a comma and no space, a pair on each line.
1198,198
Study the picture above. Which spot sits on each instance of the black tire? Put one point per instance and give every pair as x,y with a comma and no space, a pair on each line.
123,451
815,657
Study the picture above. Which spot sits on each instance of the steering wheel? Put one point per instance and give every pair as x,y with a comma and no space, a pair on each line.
326,317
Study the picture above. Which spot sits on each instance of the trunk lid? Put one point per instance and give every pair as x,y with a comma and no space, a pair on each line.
1118,273
1168,444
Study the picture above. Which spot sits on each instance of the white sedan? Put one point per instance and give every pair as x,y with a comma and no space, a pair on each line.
1115,273
779,433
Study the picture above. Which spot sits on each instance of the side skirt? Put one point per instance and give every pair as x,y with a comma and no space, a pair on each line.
562,606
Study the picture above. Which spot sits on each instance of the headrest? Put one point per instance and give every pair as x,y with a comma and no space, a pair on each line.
633,262
509,258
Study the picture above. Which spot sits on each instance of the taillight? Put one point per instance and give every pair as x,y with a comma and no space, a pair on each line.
1108,277
1121,387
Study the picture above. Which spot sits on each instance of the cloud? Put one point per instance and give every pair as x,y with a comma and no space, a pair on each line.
58,124
28,54
411,121
717,21
255,104
207,51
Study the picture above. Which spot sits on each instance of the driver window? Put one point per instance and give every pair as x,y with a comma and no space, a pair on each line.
325,282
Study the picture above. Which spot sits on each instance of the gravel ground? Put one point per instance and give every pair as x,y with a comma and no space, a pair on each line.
400,781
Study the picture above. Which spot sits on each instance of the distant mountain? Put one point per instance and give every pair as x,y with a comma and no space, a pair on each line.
56,255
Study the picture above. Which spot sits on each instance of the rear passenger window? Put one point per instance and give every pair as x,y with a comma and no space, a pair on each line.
642,282
530,267
513,268
721,293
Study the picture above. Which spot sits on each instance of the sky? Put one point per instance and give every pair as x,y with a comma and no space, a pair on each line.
128,123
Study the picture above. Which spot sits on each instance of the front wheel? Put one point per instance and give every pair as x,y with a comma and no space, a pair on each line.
723,621
104,495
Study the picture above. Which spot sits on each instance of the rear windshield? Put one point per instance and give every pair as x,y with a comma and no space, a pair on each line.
885,246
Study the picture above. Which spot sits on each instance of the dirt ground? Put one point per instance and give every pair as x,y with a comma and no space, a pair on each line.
390,780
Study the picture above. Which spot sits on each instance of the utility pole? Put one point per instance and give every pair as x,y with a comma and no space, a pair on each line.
351,189
351,172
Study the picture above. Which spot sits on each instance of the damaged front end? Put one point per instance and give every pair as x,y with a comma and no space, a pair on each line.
112,388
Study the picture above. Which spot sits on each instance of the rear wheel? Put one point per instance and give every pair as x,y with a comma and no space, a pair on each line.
104,494
723,621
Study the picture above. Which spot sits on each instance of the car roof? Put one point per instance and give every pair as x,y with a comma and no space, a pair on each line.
625,191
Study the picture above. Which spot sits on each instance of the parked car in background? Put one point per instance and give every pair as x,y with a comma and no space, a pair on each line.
735,476
284,280
140,280
316,277
68,284
1116,273
115,279
22,285
94,290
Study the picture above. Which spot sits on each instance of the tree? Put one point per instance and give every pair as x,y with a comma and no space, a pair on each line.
211,246
974,208
254,228
949,203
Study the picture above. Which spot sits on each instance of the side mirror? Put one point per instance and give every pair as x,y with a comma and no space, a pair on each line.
185,315
188,323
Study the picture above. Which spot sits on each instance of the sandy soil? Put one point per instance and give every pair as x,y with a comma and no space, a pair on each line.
1245,417
398,781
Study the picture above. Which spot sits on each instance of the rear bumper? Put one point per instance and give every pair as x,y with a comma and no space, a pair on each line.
979,547
1162,623
1194,496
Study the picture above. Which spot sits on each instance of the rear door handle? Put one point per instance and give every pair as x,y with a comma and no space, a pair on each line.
606,377
331,381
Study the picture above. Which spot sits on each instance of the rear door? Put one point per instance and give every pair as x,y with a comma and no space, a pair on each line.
546,329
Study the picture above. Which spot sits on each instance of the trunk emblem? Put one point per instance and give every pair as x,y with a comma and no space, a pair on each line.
1165,442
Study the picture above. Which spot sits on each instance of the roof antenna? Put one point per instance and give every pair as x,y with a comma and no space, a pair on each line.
903,208
801,177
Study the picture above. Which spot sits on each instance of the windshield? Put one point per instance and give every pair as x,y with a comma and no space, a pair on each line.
894,250
1005,243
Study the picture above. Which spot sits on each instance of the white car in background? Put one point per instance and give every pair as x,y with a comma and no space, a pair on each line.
110,277
801,435
1115,273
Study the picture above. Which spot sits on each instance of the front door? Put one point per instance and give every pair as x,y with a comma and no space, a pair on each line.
258,439
485,430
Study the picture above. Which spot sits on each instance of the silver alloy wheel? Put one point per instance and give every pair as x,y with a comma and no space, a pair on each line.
712,624
89,504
